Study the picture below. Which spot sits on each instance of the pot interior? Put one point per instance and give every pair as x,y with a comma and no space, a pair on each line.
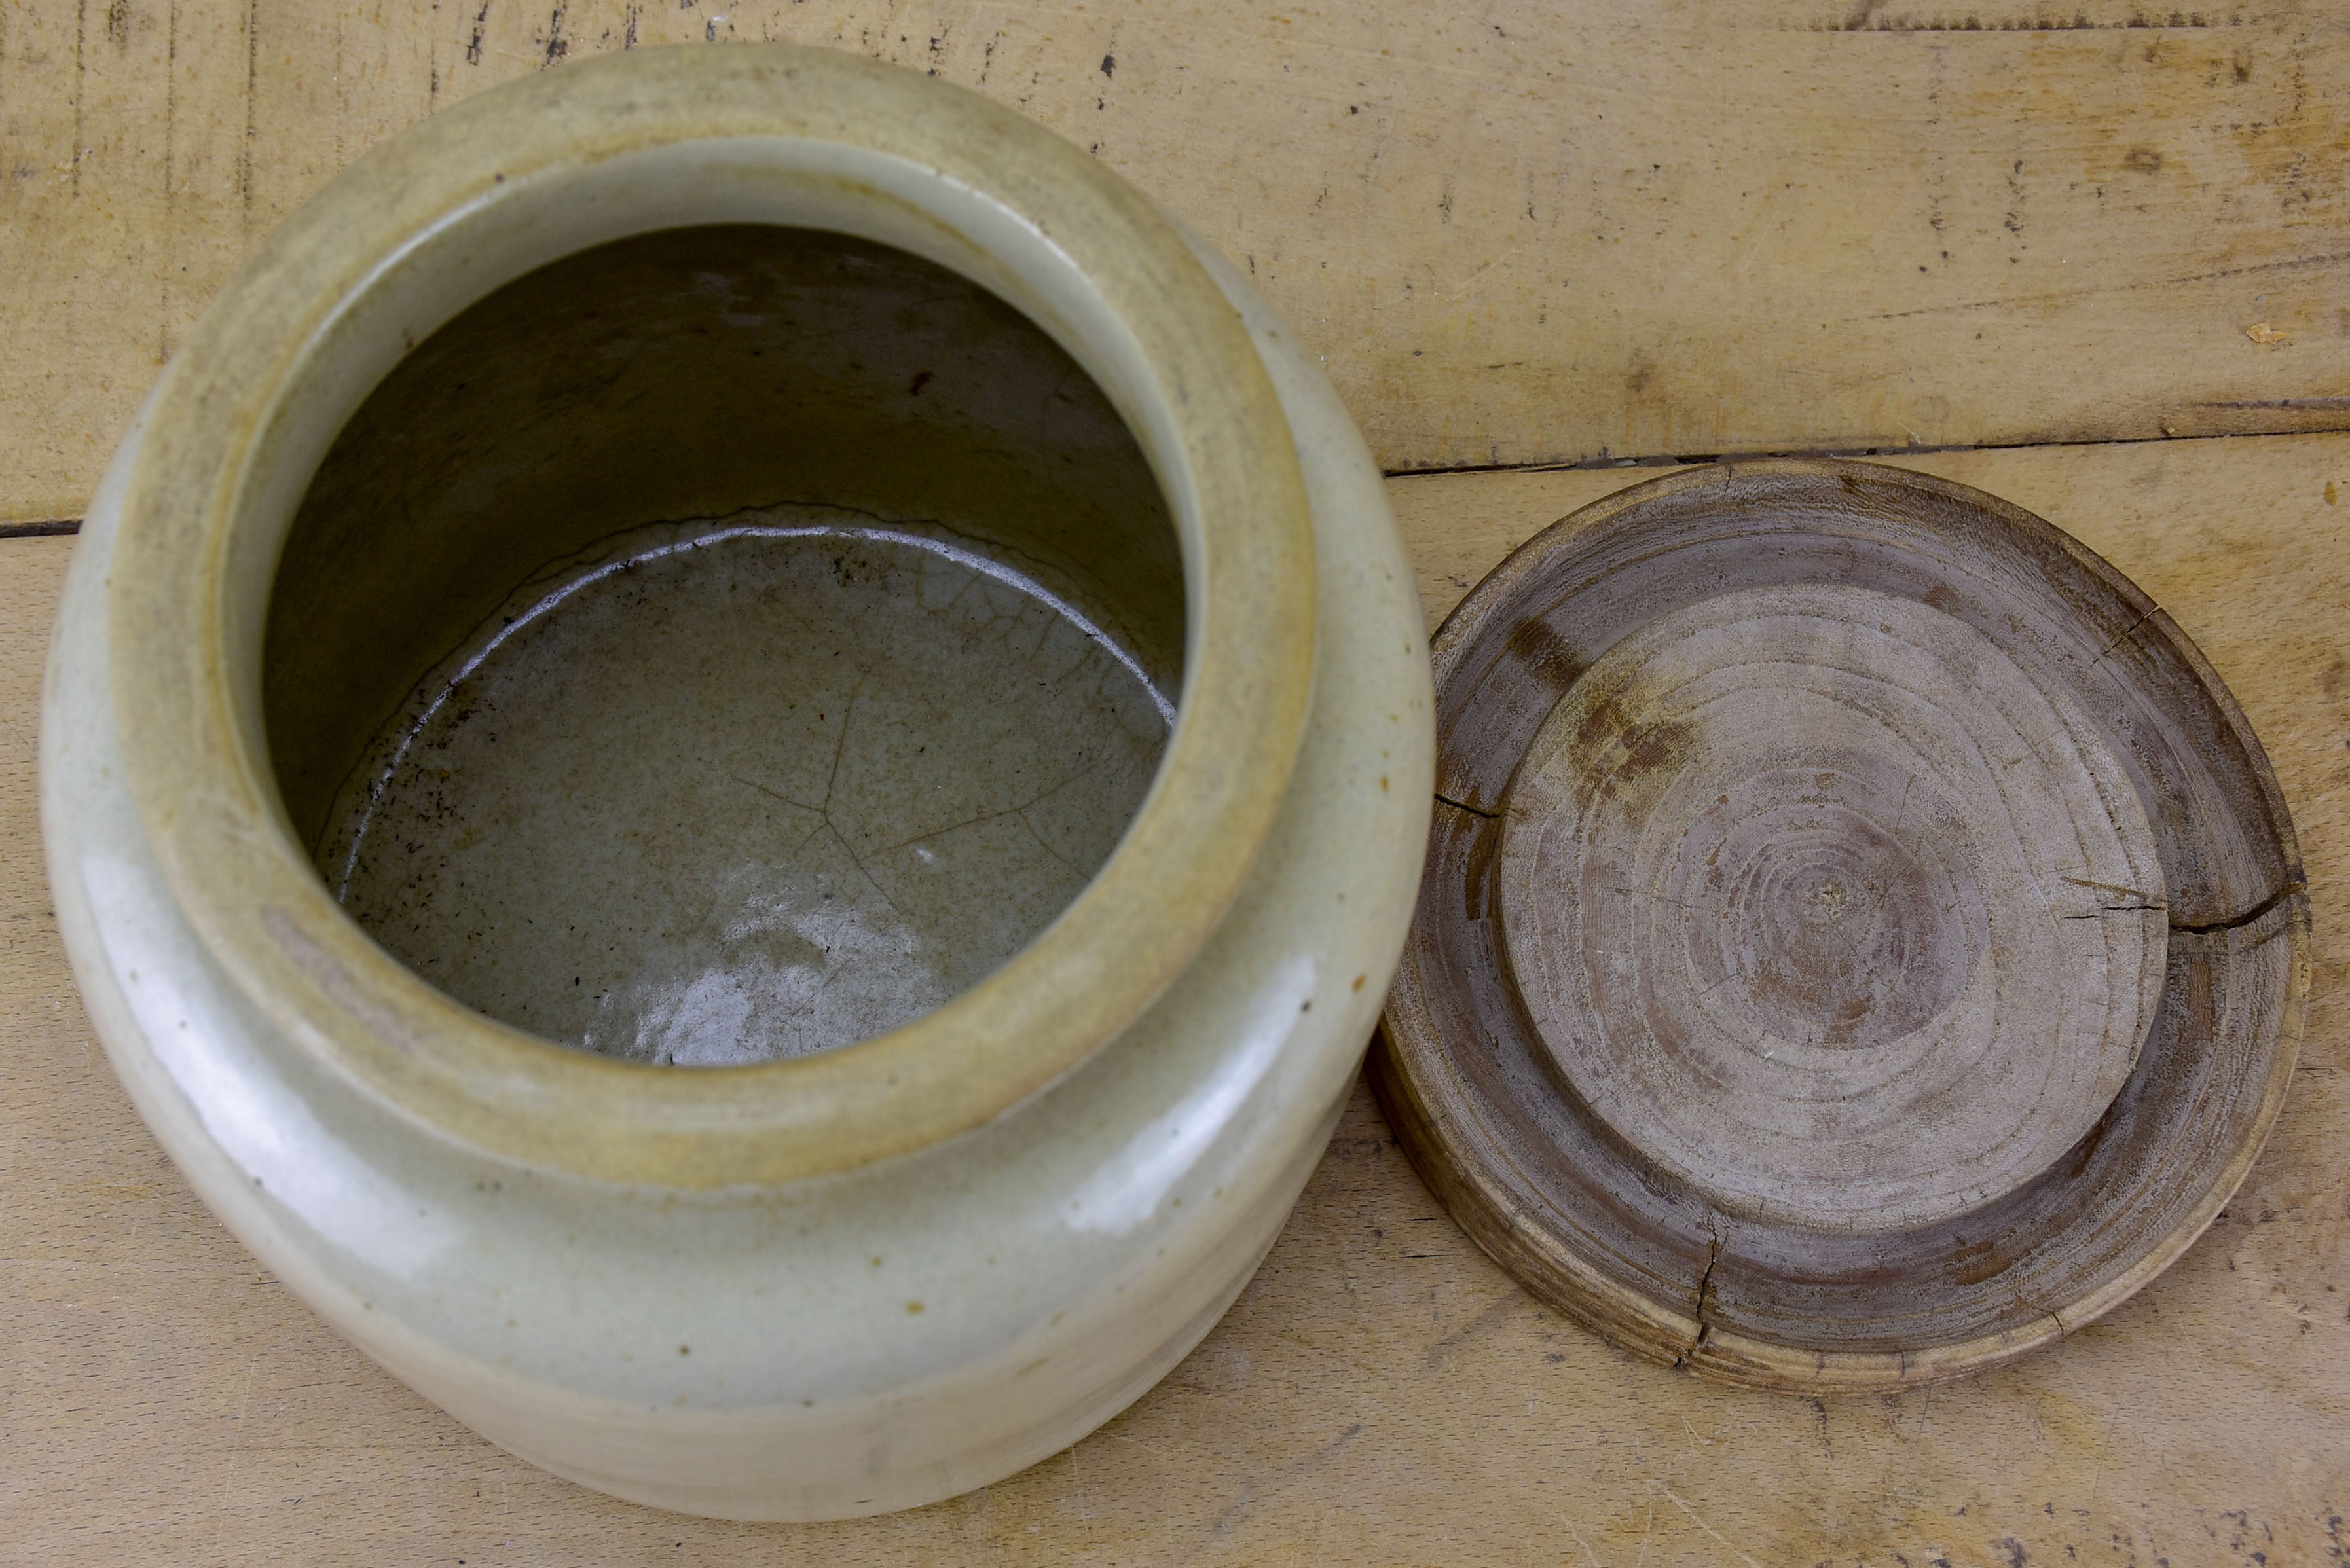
722,644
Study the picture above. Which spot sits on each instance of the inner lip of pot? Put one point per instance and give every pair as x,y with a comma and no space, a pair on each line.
722,644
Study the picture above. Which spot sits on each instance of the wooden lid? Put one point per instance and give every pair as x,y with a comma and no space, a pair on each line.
1861,940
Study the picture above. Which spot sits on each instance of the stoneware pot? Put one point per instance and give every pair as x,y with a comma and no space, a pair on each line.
735,760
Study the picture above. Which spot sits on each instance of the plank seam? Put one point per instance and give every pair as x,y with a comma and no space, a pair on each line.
1668,460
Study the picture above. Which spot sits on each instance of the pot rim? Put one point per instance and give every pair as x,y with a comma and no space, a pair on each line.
435,220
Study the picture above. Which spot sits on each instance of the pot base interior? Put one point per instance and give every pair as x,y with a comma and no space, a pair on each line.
722,645
727,793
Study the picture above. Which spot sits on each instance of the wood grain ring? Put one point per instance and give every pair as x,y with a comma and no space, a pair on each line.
1862,939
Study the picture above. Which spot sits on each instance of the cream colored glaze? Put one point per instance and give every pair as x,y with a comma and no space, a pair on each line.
903,1328
216,655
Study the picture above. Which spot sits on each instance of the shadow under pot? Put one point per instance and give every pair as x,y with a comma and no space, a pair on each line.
734,760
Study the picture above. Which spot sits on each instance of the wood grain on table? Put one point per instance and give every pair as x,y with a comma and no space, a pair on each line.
1519,234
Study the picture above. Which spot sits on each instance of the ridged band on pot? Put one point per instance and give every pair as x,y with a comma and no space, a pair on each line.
485,192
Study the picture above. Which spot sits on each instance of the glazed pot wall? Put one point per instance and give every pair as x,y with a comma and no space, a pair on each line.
691,374
1064,1257
875,1338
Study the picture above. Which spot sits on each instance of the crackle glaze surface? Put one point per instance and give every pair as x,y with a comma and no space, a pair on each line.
842,769
659,1283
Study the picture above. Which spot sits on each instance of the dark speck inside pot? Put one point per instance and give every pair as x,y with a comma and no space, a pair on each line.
722,645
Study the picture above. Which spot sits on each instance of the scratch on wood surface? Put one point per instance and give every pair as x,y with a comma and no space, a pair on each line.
1866,19
171,181
1701,1524
252,81
2057,296
2319,405
73,153
1154,1455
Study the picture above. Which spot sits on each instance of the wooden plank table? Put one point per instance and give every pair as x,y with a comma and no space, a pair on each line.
1519,232
1380,1393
